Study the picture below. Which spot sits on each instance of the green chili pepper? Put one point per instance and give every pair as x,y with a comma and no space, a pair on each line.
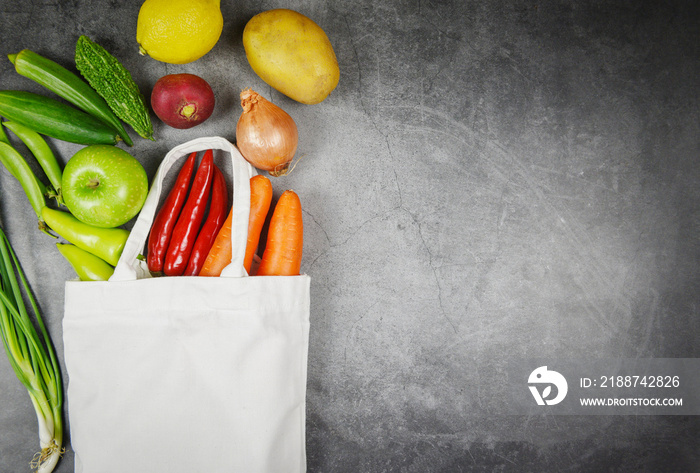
87,266
105,243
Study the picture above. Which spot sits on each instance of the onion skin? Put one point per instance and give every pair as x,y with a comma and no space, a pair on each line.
266,135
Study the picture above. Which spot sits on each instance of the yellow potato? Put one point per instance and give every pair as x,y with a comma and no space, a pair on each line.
292,54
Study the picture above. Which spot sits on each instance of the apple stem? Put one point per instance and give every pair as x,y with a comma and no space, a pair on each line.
93,183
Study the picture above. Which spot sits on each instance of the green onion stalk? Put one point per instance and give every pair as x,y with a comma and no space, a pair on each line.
32,356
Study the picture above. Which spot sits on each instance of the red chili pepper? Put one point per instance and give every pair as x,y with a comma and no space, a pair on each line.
190,220
165,221
218,211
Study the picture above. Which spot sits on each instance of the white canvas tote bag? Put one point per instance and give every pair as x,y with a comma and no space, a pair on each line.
188,374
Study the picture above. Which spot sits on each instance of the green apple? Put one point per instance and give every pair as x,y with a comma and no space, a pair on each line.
104,186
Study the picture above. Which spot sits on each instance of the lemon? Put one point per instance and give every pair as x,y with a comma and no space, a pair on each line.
178,31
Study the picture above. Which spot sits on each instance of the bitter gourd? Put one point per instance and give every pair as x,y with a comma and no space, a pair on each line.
114,83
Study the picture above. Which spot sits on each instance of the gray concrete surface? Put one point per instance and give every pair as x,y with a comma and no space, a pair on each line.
489,182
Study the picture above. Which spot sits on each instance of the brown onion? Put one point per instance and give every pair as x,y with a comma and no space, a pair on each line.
266,135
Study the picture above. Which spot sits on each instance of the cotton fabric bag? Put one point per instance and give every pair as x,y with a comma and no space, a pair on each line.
188,374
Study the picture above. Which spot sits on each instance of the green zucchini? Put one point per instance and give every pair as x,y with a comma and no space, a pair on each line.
67,85
114,83
56,119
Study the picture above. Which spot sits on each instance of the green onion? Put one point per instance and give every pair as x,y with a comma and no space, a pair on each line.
3,135
32,357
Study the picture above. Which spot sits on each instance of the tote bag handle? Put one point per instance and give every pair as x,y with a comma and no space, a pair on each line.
131,268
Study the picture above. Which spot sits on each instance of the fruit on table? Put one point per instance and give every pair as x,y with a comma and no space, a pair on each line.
53,118
105,243
31,356
285,238
178,31
104,186
189,221
266,135
182,100
87,266
34,189
292,54
114,83
216,216
67,85
166,218
42,153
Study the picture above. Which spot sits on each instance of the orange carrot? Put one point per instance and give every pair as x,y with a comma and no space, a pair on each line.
220,254
260,199
285,238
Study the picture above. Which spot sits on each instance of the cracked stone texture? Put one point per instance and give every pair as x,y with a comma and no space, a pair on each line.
489,182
